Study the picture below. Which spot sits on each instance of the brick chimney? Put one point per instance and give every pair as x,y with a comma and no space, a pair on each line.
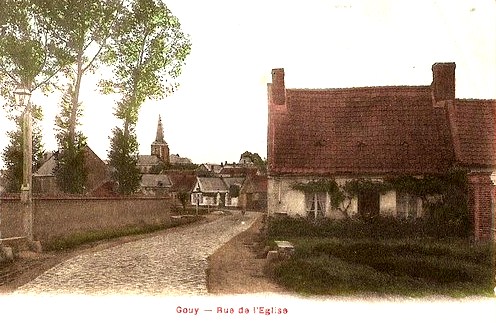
278,90
443,81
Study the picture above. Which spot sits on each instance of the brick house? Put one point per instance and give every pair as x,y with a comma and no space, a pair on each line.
374,133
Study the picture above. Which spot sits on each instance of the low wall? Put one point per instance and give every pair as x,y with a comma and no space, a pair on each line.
61,217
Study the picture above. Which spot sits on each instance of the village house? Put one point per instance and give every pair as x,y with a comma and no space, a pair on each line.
98,181
155,184
377,132
253,193
183,182
216,191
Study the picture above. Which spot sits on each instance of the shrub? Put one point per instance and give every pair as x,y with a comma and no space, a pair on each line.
438,225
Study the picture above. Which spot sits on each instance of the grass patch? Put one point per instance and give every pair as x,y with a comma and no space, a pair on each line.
81,238
412,268
384,256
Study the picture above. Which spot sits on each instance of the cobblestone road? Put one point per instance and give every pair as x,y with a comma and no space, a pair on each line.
173,263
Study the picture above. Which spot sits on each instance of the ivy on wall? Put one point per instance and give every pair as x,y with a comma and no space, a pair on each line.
450,188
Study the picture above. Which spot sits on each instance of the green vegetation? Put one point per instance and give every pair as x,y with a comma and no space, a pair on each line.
52,45
123,158
12,155
80,238
444,196
260,163
349,257
70,171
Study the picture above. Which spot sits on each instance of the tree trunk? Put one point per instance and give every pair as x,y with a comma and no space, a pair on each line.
75,98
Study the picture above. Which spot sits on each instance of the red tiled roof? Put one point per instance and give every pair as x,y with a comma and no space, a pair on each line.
255,184
374,130
182,182
474,127
238,171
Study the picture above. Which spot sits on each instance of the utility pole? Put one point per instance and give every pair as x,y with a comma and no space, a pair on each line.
22,96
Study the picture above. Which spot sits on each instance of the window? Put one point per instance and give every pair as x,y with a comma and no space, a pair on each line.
197,198
315,205
406,205
369,203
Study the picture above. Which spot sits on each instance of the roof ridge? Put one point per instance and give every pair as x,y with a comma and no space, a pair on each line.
473,100
384,87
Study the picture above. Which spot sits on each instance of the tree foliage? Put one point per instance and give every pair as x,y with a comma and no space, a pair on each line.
70,171
123,157
82,29
28,58
12,155
147,55
184,198
29,54
256,159
147,52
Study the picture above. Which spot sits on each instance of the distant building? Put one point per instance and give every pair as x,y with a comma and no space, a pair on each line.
159,147
216,191
160,157
155,184
253,193
98,178
175,159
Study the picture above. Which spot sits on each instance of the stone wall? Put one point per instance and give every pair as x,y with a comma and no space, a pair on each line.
61,217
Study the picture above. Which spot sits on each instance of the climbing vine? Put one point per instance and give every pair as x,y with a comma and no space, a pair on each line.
450,188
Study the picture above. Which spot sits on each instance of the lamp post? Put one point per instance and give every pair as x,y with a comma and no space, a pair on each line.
22,97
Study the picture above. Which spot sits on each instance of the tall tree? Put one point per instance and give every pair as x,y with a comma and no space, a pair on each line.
29,55
70,171
147,53
123,157
12,155
28,58
256,160
82,29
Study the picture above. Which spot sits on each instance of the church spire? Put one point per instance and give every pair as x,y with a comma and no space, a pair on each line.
160,131
159,146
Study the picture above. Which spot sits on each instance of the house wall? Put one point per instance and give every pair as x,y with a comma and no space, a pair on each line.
282,199
63,217
97,171
253,201
233,201
45,184
481,205
208,199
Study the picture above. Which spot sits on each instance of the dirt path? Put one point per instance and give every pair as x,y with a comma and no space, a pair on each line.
238,266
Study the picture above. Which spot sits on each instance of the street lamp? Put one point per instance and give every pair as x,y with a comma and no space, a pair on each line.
22,97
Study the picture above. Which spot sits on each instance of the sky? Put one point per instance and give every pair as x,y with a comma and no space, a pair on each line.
220,109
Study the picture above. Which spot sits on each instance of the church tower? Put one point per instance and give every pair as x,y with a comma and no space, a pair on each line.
159,146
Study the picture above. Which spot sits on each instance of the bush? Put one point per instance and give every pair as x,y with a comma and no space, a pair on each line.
439,225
